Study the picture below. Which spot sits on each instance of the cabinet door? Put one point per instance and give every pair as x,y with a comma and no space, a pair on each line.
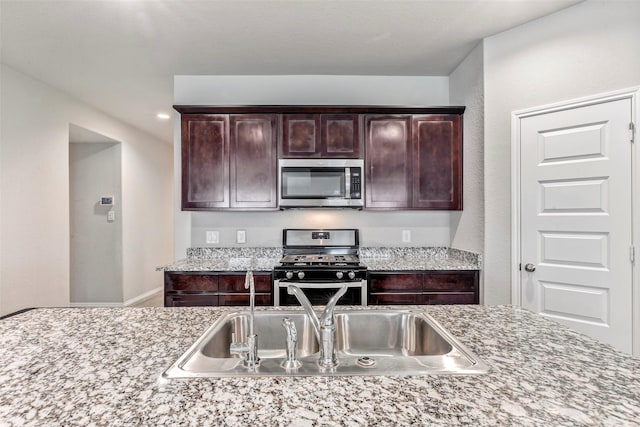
190,282
235,283
388,161
253,163
395,282
437,162
300,135
205,161
340,136
450,298
451,287
395,298
190,300
243,299
463,281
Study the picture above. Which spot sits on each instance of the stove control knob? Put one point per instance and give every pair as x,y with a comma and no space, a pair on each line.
289,274
339,274
300,275
351,275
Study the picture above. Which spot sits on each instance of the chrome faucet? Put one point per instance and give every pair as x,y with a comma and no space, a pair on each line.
324,327
249,348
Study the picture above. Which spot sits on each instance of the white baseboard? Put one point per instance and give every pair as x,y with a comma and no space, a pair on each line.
132,301
94,304
142,297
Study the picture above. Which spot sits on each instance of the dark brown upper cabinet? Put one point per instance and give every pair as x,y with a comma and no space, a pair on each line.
253,161
388,162
414,162
413,155
205,161
300,135
340,136
229,161
320,135
437,162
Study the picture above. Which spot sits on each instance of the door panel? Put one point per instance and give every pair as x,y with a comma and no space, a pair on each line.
388,161
576,219
253,161
300,135
205,161
437,162
577,302
340,135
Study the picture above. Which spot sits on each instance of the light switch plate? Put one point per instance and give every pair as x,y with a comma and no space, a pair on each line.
213,236
241,236
406,236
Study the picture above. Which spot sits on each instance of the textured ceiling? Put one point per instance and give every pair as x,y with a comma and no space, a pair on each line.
121,55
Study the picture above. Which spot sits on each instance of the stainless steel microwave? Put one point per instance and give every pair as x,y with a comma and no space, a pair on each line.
321,183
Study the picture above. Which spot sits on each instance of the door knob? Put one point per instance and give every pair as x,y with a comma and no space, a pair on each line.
530,268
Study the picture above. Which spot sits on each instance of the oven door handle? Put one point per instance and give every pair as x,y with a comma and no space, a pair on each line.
280,285
321,285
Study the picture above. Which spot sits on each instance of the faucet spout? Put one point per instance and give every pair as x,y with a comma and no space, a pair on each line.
324,327
327,319
308,308
248,348
249,284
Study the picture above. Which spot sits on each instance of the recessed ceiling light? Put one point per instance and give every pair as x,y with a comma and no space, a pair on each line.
163,116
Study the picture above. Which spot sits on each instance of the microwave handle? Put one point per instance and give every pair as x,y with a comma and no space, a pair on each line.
347,183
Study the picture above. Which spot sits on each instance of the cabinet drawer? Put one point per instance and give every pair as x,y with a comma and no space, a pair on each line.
235,283
243,299
395,282
190,282
395,298
190,300
450,298
450,282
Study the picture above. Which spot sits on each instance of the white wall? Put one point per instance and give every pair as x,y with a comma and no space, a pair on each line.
96,242
587,49
264,229
376,228
466,87
34,138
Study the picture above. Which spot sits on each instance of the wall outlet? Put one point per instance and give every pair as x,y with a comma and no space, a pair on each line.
241,236
213,236
406,236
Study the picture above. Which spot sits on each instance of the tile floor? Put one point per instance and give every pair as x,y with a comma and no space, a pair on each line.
156,300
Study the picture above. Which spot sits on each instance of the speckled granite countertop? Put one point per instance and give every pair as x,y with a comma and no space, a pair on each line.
77,367
376,259
222,264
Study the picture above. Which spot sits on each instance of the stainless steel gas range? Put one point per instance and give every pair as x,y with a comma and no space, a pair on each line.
320,262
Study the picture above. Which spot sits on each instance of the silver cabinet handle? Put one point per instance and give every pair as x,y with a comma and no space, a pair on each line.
530,268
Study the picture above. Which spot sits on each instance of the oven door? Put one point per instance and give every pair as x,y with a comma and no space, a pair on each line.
319,293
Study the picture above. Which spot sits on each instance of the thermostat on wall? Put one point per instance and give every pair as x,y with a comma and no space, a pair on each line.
106,201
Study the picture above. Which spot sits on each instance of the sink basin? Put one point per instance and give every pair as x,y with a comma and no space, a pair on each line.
399,342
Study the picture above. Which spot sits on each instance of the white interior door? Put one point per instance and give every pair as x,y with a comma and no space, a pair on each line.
576,219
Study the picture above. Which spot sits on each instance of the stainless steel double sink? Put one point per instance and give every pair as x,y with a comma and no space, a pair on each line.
368,342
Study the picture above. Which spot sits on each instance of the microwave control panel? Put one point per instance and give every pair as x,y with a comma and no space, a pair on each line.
356,183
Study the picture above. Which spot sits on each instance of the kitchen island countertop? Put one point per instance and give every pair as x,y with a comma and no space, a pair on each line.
103,366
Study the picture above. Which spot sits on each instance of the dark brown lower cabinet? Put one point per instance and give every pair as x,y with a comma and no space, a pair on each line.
394,298
189,300
184,289
423,288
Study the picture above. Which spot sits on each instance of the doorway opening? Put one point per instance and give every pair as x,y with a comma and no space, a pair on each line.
95,216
